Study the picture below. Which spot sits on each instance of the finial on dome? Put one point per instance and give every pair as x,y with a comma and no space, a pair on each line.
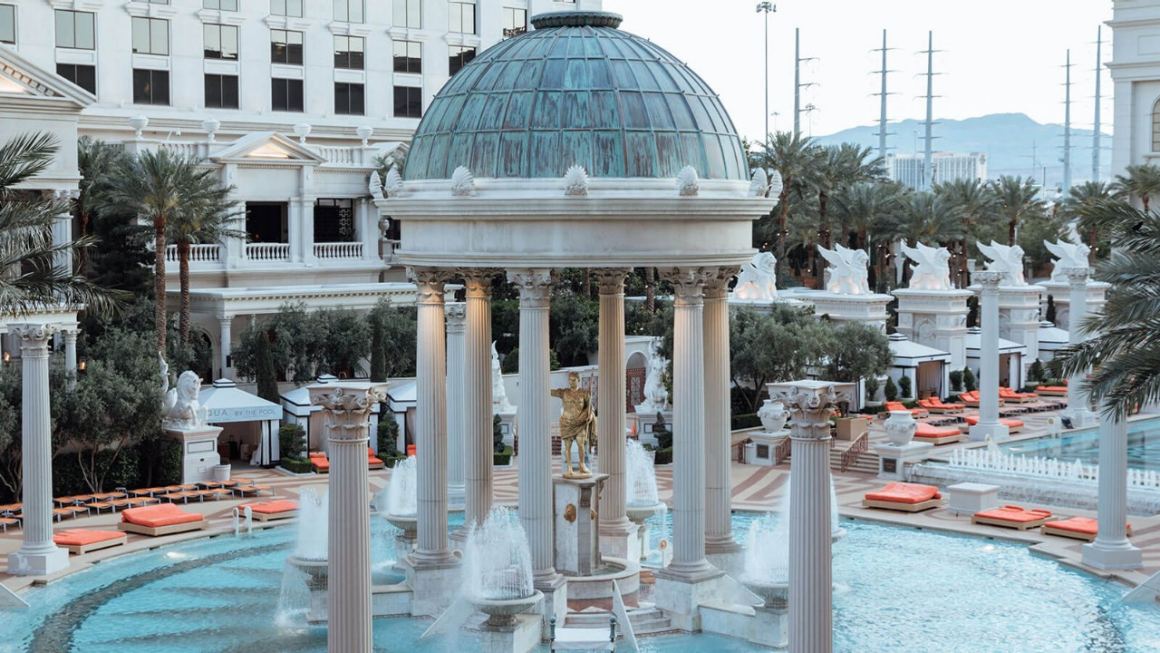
577,19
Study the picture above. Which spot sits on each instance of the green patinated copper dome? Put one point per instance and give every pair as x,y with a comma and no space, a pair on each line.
576,91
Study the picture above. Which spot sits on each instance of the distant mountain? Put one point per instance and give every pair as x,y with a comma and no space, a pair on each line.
1010,141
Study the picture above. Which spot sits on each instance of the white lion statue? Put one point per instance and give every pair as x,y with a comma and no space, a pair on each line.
932,270
847,273
656,398
1007,260
758,279
1067,255
182,409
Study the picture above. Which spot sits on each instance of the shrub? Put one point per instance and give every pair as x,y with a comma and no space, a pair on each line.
663,456
502,456
746,421
890,390
291,437
871,387
296,465
904,387
662,433
388,436
969,380
1035,372
497,434
169,469
956,380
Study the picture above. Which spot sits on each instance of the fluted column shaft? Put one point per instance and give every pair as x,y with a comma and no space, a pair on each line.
988,358
1077,397
535,458
347,414
810,562
610,421
718,488
70,356
431,421
689,560
477,398
1111,548
37,554
455,313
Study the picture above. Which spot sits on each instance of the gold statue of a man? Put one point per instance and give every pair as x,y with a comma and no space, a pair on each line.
577,424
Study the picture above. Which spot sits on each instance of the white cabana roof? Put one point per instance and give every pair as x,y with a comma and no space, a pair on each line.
973,337
402,394
224,402
297,401
1052,337
908,353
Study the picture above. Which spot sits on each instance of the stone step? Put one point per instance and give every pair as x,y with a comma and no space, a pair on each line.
644,620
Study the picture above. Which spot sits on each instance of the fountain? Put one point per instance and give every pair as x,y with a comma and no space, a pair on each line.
640,488
497,581
401,507
306,565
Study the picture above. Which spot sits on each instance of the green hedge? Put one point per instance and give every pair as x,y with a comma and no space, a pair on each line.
664,456
296,465
744,421
504,458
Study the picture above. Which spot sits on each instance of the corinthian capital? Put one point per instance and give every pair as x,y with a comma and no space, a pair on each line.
477,281
1077,276
429,283
610,280
347,411
33,334
988,279
534,284
455,313
717,286
809,404
688,283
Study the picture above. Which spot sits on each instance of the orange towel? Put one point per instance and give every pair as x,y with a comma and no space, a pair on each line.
163,514
904,493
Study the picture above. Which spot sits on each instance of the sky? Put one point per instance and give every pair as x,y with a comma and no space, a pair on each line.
997,56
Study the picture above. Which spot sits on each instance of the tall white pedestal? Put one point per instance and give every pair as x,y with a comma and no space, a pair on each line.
893,458
199,452
577,523
760,450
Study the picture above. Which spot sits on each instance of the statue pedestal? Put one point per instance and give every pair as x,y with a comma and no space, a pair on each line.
760,451
507,426
868,309
199,451
893,458
577,524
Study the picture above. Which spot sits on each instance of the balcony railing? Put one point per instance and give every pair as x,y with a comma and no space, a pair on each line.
197,253
338,250
268,251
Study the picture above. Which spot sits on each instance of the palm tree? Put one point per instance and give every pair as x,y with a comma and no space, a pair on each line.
794,157
27,252
1124,350
868,208
1142,182
840,166
975,206
206,222
927,218
1075,206
96,161
160,186
1017,198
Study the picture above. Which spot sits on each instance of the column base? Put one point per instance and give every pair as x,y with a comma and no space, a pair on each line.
996,430
37,563
1122,555
555,603
725,554
1082,418
681,598
620,540
434,585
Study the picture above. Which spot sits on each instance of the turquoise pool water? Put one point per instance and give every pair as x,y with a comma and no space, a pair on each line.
1143,445
896,590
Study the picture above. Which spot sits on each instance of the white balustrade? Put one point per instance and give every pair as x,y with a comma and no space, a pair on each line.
996,460
338,250
268,251
201,253
340,155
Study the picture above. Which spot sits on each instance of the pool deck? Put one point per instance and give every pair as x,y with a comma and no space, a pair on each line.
755,488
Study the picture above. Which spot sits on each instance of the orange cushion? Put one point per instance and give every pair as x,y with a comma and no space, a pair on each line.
80,537
374,461
1085,525
270,507
1010,423
320,463
925,430
1016,514
904,493
163,514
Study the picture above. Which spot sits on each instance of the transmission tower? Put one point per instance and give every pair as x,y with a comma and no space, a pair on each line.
1066,186
928,138
798,85
1096,117
882,93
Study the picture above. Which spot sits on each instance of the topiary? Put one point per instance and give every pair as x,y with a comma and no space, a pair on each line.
956,380
388,436
904,387
969,380
890,390
290,440
871,388
662,433
1035,372
1049,314
497,434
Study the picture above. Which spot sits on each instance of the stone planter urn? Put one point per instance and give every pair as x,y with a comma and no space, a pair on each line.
900,427
773,416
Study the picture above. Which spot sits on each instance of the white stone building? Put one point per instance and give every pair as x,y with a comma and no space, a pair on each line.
948,166
293,101
1135,68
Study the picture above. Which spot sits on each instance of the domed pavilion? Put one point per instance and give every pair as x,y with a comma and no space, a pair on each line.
575,145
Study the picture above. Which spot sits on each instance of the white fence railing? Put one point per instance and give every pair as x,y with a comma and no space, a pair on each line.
268,251
197,253
338,250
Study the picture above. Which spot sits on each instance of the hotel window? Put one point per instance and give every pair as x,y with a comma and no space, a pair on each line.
221,91
220,41
83,76
150,35
407,57
223,5
286,94
334,221
285,47
515,21
348,11
408,13
461,17
408,102
150,86
349,99
460,57
74,29
7,24
348,52
286,8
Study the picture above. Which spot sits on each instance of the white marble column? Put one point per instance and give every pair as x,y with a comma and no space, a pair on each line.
477,398
455,313
225,348
38,555
62,235
610,421
689,563
535,459
719,542
989,424
810,560
348,568
1078,401
431,548
1111,549
70,356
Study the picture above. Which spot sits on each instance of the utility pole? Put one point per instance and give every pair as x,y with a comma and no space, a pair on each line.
882,93
928,148
1066,127
1096,118
797,83
766,8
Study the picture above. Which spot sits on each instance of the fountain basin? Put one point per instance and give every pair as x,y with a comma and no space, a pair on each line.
774,594
501,613
597,590
409,524
637,513
316,584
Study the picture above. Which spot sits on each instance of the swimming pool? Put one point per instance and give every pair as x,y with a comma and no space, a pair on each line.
898,589
1143,445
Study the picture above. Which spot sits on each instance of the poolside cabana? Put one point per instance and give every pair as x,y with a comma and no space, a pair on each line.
245,418
298,410
926,367
1010,358
1051,340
